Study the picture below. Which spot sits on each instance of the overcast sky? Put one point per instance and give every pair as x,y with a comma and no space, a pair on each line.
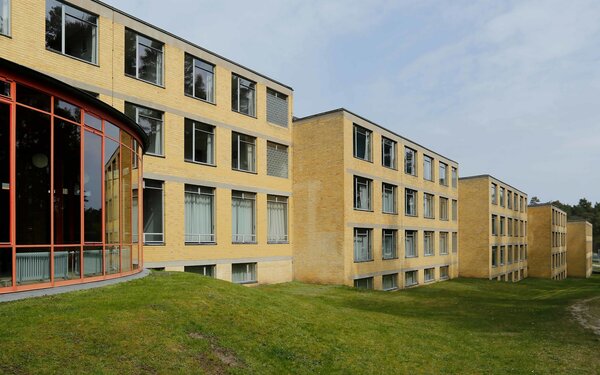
507,88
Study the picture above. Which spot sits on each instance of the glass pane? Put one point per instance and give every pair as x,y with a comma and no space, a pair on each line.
67,263
113,131
149,64
126,197
6,266
33,266
135,257
80,38
188,73
54,25
111,190
33,98
4,87
92,261
33,177
67,110
67,180
93,188
234,93
246,100
111,259
4,173
153,213
130,52
153,128
126,258
93,121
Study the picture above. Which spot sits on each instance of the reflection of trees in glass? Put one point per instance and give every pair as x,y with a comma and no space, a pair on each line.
79,31
143,57
53,25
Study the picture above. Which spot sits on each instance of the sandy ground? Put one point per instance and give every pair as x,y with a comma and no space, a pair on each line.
587,313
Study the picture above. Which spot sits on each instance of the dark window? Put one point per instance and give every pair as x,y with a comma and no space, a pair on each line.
201,270
71,31
388,153
199,79
67,110
362,143
112,158
143,57
199,142
153,212
152,122
410,160
92,201
4,174
243,95
33,98
243,152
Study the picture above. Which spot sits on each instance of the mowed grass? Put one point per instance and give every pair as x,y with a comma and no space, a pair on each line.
184,323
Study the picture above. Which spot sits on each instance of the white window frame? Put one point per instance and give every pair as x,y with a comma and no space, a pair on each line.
162,234
194,123
367,280
428,206
454,177
278,199
392,276
494,193
415,249
394,191
251,269
245,238
393,234
443,243
428,243
414,210
362,233
443,173
238,143
137,59
427,159
369,184
202,190
444,208
414,278
393,144
429,274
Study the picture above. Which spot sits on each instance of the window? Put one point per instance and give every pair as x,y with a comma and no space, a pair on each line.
5,17
362,143
410,278
365,283
277,160
443,208
428,243
494,256
153,212
277,219
243,217
152,122
143,58
502,252
4,87
454,177
410,244
494,193
410,161
502,226
243,273
389,244
509,225
516,202
243,152
389,198
494,225
428,206
509,199
502,196
454,242
362,193
444,272
199,214
454,210
69,30
411,202
429,274
388,153
199,79
199,145
510,254
443,243
243,95
277,108
362,245
389,282
208,271
443,174
427,168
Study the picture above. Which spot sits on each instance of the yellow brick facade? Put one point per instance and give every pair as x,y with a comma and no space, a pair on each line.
26,46
580,246
499,253
547,238
324,171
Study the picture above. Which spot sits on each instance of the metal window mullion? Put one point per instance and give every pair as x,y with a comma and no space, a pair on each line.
137,59
62,25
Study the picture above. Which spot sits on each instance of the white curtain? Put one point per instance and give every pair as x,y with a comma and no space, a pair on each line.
388,200
368,146
388,246
198,218
410,246
250,157
363,196
361,247
428,244
277,215
209,148
242,220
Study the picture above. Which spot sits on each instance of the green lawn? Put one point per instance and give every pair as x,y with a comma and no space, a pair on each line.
184,323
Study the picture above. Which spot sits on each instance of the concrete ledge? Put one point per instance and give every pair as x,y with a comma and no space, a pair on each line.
70,288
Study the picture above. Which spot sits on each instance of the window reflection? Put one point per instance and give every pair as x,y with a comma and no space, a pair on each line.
6,267
111,190
92,261
67,263
4,174
33,266
92,179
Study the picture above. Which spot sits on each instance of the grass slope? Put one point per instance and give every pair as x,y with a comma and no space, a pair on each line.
184,323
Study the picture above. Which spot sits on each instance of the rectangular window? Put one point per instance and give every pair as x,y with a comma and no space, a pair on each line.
429,274
277,160
443,243
410,161
143,57
243,273
153,212
494,225
509,199
427,168
502,226
199,214
454,210
208,270
362,143
428,206
494,256
362,193
389,244
243,217
502,196
454,242
389,198
69,30
509,226
362,245
243,95
5,17
516,202
410,244
152,122
199,144
502,255
277,219
443,169
454,177
365,283
494,193
277,108
199,79
444,272
411,278
389,282
388,153
428,238
243,152
443,208
411,202
509,249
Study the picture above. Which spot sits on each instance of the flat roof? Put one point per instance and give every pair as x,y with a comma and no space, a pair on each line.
188,42
342,109
547,204
490,176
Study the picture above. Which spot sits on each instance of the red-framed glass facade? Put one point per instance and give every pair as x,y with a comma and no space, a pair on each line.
70,186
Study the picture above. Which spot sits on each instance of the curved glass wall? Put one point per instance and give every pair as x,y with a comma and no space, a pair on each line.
69,187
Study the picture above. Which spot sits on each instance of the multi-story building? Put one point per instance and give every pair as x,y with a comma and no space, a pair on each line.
547,239
580,245
493,229
217,181
374,209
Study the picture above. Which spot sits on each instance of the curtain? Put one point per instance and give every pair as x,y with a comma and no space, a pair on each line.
388,246
410,246
198,218
368,146
242,220
209,148
363,196
277,220
361,247
388,200
428,247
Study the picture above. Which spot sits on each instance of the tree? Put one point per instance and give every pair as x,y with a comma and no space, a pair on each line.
534,200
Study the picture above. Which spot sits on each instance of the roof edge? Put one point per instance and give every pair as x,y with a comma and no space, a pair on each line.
490,176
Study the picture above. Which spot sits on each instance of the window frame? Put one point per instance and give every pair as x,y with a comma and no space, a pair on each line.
193,83
369,135
394,277
394,147
428,210
454,177
413,163
281,96
369,184
239,141
415,278
454,209
447,272
443,177
431,271
494,193
213,134
200,191
431,174
444,209
415,237
393,233
368,233
494,256
253,272
137,108
394,190
137,58
415,194
429,238
368,280
443,239
277,146
251,86
162,189
279,199
253,236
